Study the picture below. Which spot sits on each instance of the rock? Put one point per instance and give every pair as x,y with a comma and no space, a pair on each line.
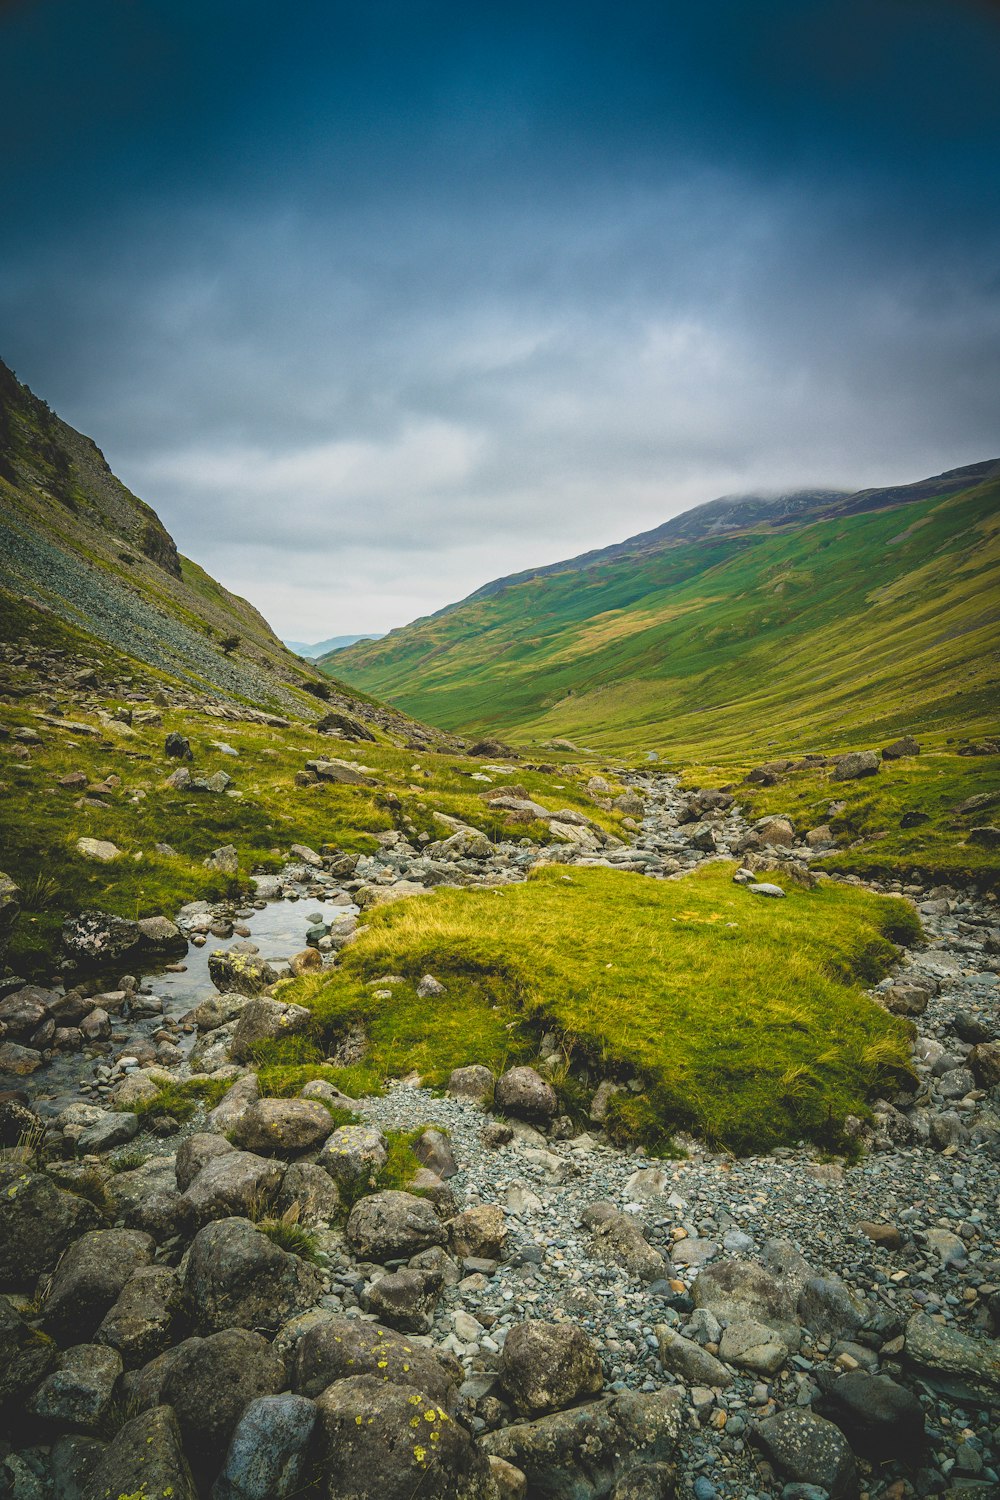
10,910
226,861
405,1299
738,1290
369,1446
384,895
212,1381
808,1449
391,1225
341,772
473,1083
334,1347
90,1278
856,765
79,1390
233,1183
949,1248
160,937
21,1061
777,832
95,938
432,1148
328,1094
987,836
24,1011
827,1308
242,973
354,1154
683,1357
899,749
952,1361
178,747
101,850
619,1239
765,888
268,1454
880,1419
306,961
179,780
820,836
135,1088
115,1129
905,999
25,1355
194,1153
312,1191
547,1366
984,1060
146,1318
283,1127
480,1232
586,1451
886,1235
430,988
145,1457
237,1278
71,1459
234,1104
510,1483
753,1346
524,1093
264,1020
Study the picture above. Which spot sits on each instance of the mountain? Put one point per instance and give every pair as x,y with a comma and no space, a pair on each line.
785,620
335,643
79,545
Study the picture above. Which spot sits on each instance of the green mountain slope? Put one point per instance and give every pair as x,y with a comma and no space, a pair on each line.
817,623
79,544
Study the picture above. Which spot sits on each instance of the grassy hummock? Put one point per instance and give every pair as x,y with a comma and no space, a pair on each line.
741,1018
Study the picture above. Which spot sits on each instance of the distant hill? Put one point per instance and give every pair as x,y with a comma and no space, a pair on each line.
752,620
335,643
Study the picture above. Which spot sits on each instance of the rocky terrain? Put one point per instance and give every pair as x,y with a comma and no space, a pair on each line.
468,1294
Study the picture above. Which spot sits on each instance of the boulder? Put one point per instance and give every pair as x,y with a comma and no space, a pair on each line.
405,1299
101,850
234,1104
852,767
17,1120
283,1127
21,1061
10,910
808,1450
880,1418
547,1366
238,1278
147,1199
683,1357
177,746
524,1093
354,1154
619,1240
393,1225
268,1454
145,1457
901,749
212,1381
777,832
473,1083
90,1278
828,1308
395,1442
240,973
116,1128
194,1153
147,1317
24,1011
334,1347
96,938
225,860
234,1183
480,1232
25,1355
738,1290
432,1148
265,1020
78,1392
984,1060
308,1190
952,1361
753,1346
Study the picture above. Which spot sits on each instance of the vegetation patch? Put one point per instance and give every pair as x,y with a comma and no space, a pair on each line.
180,1100
743,1018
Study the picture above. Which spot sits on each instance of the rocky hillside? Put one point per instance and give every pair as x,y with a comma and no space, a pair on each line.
77,543
818,619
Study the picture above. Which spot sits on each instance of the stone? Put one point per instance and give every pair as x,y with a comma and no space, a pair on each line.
265,1020
524,1093
268,1455
752,1346
405,1299
682,1356
145,1457
234,1104
95,938
900,749
238,1278
71,1459
854,766
21,1061
194,1153
619,1240
78,1392
765,888
178,747
881,1419
547,1366
430,988
334,1347
952,1361
115,1129
10,910
473,1083
369,1446
586,1451
225,860
212,1381
885,1235
26,1356
741,1290
160,937
306,961
810,1450
480,1231
905,999
828,1308
135,1088
146,1318
309,1191
432,1148
283,1127
393,1225
101,850
984,1060
233,1183
24,1011
777,832
240,973
646,1183
354,1154
90,1278
510,1483
341,772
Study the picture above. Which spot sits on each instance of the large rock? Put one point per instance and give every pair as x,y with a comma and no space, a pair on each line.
234,1183
547,1366
237,1278
79,1390
195,1152
90,1278
393,1226
953,1362
405,1299
619,1240
879,1417
268,1455
753,1346
828,1308
808,1450
689,1360
25,1356
738,1290
474,1083
524,1093
233,1105
395,1443
94,939
900,749
984,1060
433,1150
10,910
146,1457
161,938
852,767
146,1198
480,1232
354,1154
266,1020
334,1347
240,973
24,1011
283,1127
147,1317
586,1451
310,1191
211,1383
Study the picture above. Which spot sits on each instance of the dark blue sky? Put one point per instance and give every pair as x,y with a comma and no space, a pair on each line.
374,302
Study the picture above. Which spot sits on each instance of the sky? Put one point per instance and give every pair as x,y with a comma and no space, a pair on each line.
375,302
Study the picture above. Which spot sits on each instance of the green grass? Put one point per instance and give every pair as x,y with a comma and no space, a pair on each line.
743,1018
829,634
292,1236
180,1100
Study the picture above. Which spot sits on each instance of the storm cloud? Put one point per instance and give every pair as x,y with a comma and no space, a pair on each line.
374,303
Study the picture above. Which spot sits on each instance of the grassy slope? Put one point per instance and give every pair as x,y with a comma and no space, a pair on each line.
828,634
743,1018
